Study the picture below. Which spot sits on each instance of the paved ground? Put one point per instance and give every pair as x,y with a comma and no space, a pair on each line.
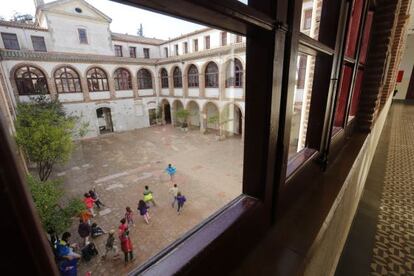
209,173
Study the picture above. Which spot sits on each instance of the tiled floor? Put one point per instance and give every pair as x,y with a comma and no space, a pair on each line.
381,241
209,173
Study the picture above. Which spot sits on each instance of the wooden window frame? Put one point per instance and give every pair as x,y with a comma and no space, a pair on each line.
177,77
177,53
39,38
223,38
192,77
207,42
16,41
132,52
122,79
166,51
28,82
83,36
96,75
118,50
146,52
164,78
185,47
144,78
195,45
69,75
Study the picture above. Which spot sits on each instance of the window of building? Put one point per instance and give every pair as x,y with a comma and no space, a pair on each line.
300,83
195,45
122,79
133,52
38,43
146,53
166,52
10,41
67,80
97,80
144,79
223,38
83,37
234,73
307,19
118,50
164,78
192,76
30,80
185,47
176,49
207,42
239,39
211,75
177,78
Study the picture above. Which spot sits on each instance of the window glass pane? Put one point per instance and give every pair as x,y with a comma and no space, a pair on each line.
38,43
356,95
10,41
354,26
342,99
366,37
311,17
130,118
301,103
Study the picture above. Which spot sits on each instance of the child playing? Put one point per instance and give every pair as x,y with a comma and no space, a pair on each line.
174,192
89,203
143,210
148,196
180,199
129,216
96,231
171,171
95,197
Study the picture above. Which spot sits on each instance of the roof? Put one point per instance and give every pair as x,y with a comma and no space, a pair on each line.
136,39
59,2
189,34
32,26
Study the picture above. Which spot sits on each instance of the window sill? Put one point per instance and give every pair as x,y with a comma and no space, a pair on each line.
214,239
299,159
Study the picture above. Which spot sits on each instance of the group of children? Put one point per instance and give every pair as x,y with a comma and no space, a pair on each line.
88,229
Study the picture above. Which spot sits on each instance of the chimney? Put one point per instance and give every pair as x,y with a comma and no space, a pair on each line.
38,3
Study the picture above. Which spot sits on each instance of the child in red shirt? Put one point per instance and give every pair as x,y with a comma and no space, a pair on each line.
89,201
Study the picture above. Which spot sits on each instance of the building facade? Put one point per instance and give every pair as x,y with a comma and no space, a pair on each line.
119,82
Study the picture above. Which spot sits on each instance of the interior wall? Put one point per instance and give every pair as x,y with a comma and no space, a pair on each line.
406,65
324,254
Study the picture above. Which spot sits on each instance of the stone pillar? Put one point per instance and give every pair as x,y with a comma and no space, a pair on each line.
111,88
202,85
171,86
135,87
85,91
222,85
203,121
242,128
52,88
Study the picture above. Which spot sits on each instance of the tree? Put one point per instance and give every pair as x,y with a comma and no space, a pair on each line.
44,132
55,216
182,116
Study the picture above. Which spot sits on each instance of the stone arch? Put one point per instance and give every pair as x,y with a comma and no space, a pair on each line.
49,83
108,77
194,119
144,83
166,111
232,119
119,82
52,74
160,72
211,116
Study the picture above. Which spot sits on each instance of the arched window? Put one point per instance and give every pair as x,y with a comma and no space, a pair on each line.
234,73
144,79
192,76
97,80
67,80
164,78
30,81
177,77
122,79
211,75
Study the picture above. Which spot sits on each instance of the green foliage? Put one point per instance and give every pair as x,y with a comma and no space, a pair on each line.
47,197
44,132
182,116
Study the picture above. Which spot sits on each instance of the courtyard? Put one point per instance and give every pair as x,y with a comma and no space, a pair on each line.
119,165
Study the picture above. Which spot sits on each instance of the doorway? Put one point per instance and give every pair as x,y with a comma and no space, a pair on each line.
167,113
104,120
410,90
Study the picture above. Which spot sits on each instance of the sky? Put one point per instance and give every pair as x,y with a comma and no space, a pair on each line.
125,19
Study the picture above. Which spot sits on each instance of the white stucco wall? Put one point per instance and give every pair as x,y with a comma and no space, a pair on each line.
193,92
24,37
212,92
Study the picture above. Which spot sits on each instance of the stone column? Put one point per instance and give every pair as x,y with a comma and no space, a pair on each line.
135,87
171,86
202,85
85,91
203,121
222,85
111,88
52,88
